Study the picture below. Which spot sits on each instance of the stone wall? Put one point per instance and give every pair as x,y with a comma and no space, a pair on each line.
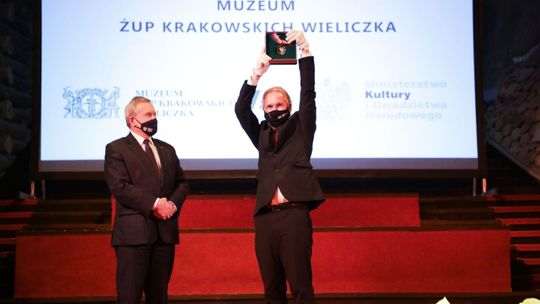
513,119
511,79
16,85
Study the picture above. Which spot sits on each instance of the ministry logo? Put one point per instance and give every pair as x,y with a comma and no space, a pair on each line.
91,103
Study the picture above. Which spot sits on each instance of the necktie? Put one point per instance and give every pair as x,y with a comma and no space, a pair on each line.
150,154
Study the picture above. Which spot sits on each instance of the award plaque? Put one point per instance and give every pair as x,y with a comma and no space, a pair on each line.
281,51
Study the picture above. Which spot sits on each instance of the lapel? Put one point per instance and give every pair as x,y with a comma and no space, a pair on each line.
267,140
159,149
285,131
162,159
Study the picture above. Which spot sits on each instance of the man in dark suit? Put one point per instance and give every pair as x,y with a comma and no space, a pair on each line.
287,188
144,176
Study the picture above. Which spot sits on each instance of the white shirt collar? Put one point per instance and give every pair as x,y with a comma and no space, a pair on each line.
140,139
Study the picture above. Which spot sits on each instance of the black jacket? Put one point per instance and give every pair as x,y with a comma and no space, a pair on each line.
286,164
134,181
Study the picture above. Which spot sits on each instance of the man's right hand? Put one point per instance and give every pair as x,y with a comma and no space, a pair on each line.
262,65
164,209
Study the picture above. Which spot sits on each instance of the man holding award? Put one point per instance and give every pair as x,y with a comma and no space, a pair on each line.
287,189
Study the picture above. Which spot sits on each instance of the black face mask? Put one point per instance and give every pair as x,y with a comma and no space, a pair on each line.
149,128
277,118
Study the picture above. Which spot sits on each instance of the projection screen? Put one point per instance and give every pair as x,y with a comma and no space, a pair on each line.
396,81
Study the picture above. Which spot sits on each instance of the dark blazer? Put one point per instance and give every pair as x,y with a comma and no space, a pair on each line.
134,181
286,164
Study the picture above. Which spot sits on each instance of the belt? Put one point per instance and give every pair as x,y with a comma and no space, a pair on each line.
283,206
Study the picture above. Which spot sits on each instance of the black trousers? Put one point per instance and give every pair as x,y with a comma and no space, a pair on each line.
145,268
283,245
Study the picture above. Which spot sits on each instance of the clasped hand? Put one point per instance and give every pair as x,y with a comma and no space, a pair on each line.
164,209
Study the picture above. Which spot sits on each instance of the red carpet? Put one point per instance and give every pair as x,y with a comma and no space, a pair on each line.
402,259
385,261
355,211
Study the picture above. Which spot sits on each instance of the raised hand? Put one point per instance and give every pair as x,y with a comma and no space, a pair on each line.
261,66
301,41
263,63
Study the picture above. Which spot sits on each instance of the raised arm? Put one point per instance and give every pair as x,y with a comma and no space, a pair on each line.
307,108
248,120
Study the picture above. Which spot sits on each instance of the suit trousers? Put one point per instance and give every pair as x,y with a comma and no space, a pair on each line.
145,268
283,245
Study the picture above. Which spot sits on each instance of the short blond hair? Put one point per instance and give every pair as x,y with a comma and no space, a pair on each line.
282,92
132,105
